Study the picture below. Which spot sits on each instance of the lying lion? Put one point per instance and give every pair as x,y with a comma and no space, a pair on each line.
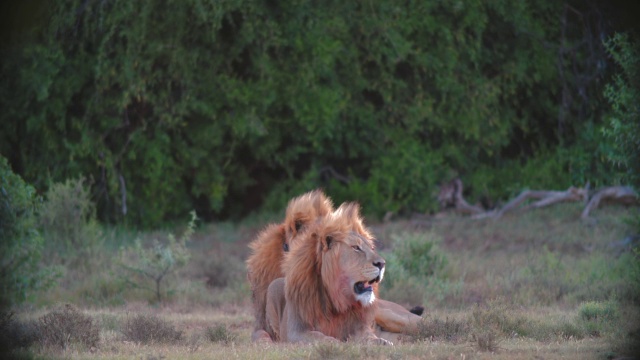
269,248
328,292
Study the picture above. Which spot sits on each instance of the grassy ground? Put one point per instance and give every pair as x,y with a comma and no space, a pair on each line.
538,285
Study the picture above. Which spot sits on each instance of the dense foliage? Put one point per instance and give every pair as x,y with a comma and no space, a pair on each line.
20,244
624,94
226,106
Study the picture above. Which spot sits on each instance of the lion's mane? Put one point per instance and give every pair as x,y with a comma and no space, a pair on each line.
265,262
314,274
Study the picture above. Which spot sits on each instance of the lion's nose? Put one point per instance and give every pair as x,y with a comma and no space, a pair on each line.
379,264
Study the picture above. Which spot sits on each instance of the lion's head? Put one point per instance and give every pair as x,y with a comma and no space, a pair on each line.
332,274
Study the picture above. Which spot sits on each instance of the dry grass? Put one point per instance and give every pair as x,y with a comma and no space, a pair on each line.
220,334
68,326
150,329
450,329
194,344
535,285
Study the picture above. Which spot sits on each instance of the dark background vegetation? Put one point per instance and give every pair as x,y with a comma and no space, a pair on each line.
121,117
228,107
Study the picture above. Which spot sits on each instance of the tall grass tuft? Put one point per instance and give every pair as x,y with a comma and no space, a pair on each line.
436,329
220,334
150,329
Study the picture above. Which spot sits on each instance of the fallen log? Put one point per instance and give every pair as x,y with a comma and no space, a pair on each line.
451,196
545,198
614,194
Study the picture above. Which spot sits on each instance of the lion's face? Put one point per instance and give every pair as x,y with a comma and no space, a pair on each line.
352,268
333,267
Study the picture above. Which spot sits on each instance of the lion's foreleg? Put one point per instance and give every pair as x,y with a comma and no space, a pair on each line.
294,330
274,309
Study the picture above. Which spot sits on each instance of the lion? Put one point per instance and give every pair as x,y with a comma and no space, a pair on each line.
270,246
330,284
264,264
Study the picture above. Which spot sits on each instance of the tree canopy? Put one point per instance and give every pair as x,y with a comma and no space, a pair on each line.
229,106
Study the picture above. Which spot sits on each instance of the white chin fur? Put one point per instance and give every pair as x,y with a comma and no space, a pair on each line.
366,299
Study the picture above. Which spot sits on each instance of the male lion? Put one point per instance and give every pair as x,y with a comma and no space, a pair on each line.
328,292
268,251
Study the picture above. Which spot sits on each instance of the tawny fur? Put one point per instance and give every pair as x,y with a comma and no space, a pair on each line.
320,272
265,262
268,251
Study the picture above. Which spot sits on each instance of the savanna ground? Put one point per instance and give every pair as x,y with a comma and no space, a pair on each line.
535,285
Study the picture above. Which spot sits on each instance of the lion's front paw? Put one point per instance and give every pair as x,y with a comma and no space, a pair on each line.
331,339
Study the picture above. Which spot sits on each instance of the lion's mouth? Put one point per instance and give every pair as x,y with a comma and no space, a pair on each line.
362,287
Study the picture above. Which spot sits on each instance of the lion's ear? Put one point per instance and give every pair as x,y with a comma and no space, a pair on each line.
324,242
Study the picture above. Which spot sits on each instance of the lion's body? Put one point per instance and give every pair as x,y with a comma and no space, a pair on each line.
329,284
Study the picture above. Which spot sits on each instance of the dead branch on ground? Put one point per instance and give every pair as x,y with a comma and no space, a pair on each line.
614,194
451,196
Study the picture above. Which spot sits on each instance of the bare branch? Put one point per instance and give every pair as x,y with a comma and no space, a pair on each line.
614,194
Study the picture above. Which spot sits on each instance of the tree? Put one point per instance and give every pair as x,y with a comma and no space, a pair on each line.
20,243
623,92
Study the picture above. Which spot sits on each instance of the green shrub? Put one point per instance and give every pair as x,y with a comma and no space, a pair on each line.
140,266
21,246
68,219
418,254
150,329
68,326
598,311
415,269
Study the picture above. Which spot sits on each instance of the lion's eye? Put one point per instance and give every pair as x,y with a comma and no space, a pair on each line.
356,248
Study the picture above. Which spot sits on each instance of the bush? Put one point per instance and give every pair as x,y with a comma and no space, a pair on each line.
156,264
413,255
598,310
68,218
67,326
150,329
415,269
15,334
220,334
419,255
21,245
